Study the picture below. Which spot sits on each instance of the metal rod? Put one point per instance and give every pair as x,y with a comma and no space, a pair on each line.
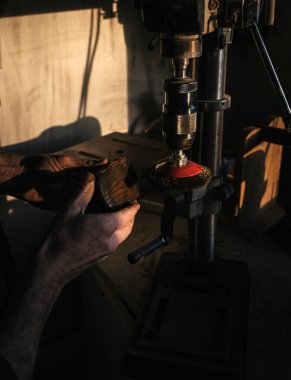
270,69
180,66
211,87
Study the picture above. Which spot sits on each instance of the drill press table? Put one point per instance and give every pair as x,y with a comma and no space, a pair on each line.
113,293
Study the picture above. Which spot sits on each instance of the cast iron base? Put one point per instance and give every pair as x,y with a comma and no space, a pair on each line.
194,325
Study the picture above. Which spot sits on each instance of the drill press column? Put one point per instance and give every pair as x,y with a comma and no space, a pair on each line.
212,102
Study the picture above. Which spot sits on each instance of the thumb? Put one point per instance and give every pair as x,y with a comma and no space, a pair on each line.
79,201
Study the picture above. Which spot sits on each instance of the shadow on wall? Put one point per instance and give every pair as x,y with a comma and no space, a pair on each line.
146,70
59,137
148,118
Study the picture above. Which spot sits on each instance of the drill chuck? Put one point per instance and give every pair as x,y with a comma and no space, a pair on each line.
179,113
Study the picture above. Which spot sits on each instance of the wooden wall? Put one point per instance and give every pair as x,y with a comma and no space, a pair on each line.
59,67
43,59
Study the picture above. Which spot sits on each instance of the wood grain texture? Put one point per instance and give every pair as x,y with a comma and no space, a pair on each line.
43,59
258,173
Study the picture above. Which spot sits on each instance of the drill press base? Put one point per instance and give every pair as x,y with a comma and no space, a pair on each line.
194,326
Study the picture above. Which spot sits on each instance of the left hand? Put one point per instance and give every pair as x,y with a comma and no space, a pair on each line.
46,181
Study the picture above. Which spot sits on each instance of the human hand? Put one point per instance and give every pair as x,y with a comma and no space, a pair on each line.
77,240
48,181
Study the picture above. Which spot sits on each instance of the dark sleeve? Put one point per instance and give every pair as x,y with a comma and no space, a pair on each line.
8,267
8,270
6,372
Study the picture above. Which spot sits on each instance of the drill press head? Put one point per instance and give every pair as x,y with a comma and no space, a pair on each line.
180,25
180,118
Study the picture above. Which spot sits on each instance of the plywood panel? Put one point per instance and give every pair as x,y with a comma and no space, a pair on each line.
258,182
43,59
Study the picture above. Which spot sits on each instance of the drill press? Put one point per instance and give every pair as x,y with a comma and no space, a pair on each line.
194,324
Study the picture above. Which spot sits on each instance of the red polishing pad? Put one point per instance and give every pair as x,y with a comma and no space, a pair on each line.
189,170
184,178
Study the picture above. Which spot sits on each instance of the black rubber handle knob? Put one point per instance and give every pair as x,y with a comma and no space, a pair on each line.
147,249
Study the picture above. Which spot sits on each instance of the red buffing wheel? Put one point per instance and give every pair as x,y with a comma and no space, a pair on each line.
189,170
186,178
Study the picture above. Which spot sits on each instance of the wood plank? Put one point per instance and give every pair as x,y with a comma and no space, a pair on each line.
257,177
43,58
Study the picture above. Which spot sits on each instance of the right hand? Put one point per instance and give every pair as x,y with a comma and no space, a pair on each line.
77,240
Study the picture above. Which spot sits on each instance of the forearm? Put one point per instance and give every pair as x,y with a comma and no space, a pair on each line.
24,320
11,166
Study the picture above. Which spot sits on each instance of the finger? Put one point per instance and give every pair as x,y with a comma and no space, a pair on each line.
80,200
128,212
122,234
118,219
102,259
83,195
126,215
127,223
